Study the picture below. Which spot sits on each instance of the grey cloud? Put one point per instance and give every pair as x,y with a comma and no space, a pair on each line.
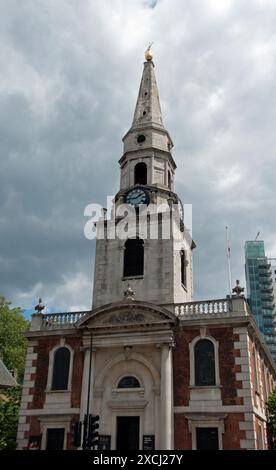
72,77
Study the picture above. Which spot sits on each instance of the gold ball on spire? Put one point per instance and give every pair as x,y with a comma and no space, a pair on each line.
148,53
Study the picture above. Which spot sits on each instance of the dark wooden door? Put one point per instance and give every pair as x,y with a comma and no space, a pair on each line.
127,433
55,439
207,439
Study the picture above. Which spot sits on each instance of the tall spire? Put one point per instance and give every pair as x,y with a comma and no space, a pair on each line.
147,130
148,109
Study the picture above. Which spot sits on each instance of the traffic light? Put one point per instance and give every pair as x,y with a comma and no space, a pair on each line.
93,425
77,434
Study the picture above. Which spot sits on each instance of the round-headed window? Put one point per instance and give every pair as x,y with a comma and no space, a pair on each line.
129,382
141,138
61,368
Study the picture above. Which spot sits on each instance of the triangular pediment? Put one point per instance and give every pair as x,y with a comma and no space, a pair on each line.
126,314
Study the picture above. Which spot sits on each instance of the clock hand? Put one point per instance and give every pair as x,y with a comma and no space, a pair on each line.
134,199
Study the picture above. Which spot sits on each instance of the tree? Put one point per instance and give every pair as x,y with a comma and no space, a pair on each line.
13,343
9,410
13,347
271,422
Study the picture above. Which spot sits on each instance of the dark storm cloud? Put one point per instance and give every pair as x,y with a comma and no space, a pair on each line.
69,80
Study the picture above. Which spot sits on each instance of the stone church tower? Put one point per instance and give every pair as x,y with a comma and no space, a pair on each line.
162,371
147,176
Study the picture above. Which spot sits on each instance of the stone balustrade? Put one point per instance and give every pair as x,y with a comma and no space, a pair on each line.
60,320
205,307
217,308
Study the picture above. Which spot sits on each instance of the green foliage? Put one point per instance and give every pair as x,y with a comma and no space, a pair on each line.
9,410
271,414
13,347
12,340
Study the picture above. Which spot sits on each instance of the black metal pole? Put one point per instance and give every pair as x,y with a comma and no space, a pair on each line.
85,431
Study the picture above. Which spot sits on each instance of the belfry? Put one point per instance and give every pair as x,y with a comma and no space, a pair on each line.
160,369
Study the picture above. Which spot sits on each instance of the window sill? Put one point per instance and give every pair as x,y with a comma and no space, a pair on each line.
128,390
126,278
204,387
58,391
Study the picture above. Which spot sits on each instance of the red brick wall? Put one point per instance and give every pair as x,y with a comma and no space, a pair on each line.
45,345
232,434
230,438
42,349
75,344
181,366
263,369
182,436
35,428
227,367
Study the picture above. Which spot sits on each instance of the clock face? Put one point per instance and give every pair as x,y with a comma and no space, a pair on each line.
136,197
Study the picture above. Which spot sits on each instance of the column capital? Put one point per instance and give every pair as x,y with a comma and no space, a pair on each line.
168,344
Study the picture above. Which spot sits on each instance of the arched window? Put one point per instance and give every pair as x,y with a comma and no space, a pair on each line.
256,372
61,369
140,173
205,372
268,383
169,179
264,384
134,257
129,382
183,268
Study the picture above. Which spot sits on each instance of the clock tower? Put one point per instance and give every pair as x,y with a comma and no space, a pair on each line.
157,267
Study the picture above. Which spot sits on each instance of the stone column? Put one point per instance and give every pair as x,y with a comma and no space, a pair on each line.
151,175
85,379
166,182
166,398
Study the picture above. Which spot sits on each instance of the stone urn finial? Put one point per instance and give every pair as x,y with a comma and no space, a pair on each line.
129,294
238,290
39,307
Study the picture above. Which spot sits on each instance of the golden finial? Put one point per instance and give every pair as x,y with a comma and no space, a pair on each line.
148,53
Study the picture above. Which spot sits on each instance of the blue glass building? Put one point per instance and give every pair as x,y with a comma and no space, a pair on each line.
260,291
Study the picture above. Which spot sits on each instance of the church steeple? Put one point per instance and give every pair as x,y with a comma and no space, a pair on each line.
148,140
148,109
147,119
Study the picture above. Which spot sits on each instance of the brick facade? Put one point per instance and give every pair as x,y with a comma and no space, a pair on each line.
227,367
236,406
237,385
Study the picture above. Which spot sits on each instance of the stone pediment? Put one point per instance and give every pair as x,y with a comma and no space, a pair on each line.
122,314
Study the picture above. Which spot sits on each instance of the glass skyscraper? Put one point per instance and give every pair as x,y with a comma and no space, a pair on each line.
259,284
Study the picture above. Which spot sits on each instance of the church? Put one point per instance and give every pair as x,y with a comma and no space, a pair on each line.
160,369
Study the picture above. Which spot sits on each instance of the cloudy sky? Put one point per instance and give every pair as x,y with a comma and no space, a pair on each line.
70,72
